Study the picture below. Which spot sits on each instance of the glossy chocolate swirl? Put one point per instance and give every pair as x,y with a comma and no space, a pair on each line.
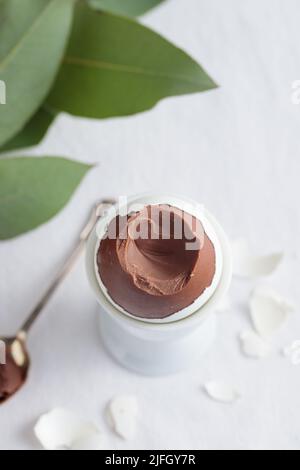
158,263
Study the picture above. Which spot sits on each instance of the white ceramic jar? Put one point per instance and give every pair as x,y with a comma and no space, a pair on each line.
178,342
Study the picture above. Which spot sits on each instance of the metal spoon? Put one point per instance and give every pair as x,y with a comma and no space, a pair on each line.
14,372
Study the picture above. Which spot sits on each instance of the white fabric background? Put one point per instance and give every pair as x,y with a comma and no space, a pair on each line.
235,149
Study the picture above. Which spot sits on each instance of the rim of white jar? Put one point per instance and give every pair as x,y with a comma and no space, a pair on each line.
194,318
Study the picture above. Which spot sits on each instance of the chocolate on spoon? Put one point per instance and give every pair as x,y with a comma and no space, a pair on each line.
14,372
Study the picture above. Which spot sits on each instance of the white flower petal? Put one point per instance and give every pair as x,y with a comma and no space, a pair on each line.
222,392
268,311
254,346
61,429
17,352
247,265
122,415
293,352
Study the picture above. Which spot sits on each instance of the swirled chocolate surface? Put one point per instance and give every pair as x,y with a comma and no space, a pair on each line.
156,262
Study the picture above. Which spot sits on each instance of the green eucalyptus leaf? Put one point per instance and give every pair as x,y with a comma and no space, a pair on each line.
114,66
33,132
33,190
33,35
125,7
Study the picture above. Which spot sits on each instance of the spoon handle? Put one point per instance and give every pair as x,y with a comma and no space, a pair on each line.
97,213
